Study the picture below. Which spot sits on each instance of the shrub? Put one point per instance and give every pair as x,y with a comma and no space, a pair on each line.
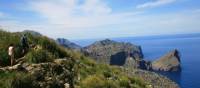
6,79
39,56
93,81
107,74
24,81
4,58
17,80
51,46
124,82
137,82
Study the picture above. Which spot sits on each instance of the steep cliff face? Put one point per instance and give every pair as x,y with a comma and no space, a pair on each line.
112,52
169,62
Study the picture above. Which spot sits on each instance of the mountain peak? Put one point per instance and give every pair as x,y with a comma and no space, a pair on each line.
105,42
32,32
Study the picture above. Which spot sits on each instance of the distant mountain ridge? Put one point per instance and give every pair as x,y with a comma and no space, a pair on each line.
68,44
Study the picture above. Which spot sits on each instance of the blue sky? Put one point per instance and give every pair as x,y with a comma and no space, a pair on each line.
83,19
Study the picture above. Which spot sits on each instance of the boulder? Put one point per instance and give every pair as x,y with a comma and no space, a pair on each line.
169,62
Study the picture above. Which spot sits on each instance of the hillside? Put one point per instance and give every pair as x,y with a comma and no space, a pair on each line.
48,65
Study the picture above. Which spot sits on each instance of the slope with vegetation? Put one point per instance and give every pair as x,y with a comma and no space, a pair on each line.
48,65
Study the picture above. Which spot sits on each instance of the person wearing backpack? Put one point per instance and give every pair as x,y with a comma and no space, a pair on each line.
24,44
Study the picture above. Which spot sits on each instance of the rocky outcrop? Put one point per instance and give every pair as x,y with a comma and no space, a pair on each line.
112,52
68,44
169,62
48,75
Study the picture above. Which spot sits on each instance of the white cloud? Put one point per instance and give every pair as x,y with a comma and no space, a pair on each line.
71,13
72,19
120,25
155,3
95,7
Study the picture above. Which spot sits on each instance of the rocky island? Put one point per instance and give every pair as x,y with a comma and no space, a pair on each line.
169,62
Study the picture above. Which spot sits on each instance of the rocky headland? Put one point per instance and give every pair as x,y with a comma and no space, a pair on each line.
112,52
127,54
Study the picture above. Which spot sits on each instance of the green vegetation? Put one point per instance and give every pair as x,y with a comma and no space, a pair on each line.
105,76
39,56
17,80
46,46
82,71
7,38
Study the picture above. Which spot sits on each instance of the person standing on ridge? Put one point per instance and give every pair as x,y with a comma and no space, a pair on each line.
11,53
24,44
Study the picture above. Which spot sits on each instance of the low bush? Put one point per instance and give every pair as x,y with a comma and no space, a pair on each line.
4,58
51,46
124,82
94,81
24,81
39,56
137,82
17,80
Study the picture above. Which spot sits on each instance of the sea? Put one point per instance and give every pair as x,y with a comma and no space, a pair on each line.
154,47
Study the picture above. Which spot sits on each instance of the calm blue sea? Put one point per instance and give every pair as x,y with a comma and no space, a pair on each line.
155,46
